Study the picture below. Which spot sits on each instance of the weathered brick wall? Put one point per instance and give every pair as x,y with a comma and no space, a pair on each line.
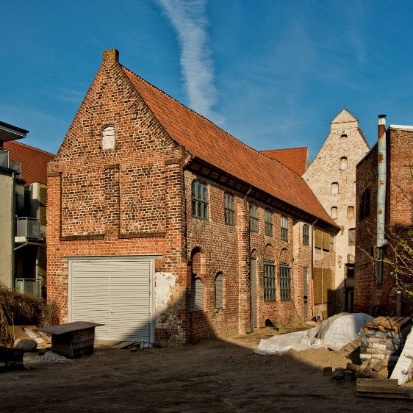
122,201
218,244
371,297
227,249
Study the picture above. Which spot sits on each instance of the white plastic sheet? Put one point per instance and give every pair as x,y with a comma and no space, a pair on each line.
333,333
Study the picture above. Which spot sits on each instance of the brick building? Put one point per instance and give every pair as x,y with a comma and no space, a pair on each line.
165,228
385,216
332,177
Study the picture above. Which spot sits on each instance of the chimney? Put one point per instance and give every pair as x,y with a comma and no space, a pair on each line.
111,56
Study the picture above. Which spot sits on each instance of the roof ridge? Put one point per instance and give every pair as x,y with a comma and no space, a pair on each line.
188,108
31,147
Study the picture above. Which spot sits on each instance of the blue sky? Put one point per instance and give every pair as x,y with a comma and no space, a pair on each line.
273,73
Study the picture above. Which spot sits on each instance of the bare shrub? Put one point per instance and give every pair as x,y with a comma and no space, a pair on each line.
23,309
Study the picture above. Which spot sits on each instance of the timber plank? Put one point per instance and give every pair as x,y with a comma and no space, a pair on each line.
398,392
365,382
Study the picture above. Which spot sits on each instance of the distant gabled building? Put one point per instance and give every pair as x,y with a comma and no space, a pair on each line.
332,177
164,228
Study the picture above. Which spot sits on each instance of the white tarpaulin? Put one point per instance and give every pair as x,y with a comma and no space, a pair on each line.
333,333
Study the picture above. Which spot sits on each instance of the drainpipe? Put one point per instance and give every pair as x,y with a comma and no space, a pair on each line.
248,258
381,194
13,231
312,267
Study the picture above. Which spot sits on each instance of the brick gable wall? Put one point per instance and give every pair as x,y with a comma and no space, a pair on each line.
135,199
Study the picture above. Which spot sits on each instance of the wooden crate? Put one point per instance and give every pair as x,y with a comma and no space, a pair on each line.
11,357
72,339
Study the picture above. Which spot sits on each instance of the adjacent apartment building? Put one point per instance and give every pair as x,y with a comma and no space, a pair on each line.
164,228
332,178
22,212
385,224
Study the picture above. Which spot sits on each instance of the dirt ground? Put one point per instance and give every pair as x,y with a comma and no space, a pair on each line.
216,376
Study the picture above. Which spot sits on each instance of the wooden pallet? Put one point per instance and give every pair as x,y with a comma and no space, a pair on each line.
396,324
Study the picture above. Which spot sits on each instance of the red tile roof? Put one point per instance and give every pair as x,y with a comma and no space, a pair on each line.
33,161
295,158
206,141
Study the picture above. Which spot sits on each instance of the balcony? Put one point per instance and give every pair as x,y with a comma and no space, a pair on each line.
5,162
28,229
29,286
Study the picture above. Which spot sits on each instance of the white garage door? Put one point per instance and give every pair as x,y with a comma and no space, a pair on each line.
113,292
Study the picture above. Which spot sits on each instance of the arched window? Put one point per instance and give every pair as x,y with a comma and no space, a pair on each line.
334,212
343,163
108,137
334,188
350,212
197,295
219,290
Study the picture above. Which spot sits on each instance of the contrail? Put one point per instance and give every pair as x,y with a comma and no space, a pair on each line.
189,19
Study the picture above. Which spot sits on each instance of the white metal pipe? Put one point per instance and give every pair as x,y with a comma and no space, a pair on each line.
381,180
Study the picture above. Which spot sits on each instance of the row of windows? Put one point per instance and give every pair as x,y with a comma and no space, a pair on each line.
334,212
200,210
197,287
197,293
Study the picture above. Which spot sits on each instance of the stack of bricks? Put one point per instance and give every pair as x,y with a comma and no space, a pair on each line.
381,343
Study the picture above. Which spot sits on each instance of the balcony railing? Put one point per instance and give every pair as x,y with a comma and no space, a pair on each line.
28,228
29,286
5,162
